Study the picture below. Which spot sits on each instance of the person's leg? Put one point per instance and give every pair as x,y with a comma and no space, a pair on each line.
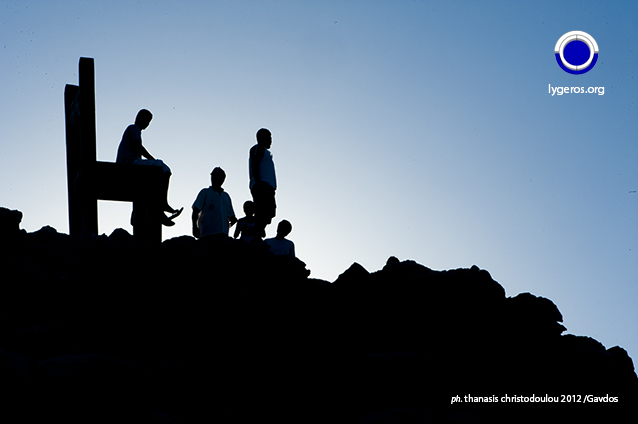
163,189
260,221
270,206
166,178
265,207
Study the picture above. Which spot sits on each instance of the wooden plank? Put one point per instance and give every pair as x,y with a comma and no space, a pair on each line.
87,143
73,161
126,183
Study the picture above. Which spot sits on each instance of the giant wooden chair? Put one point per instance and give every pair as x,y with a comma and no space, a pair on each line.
90,180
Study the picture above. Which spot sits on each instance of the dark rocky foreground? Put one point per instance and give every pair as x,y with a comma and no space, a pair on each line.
100,329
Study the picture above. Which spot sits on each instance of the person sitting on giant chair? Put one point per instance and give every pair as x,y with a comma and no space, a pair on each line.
132,151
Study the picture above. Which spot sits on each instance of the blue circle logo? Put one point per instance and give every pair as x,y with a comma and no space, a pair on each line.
576,52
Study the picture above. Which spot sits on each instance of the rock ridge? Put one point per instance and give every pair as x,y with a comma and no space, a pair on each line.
103,329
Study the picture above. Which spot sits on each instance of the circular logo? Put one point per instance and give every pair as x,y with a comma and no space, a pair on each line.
576,52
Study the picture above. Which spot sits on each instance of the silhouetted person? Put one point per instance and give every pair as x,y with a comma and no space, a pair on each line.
133,152
263,181
213,209
246,225
280,245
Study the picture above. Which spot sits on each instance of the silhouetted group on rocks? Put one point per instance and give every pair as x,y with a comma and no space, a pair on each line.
213,213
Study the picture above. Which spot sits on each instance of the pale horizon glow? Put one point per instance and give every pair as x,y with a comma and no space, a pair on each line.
421,130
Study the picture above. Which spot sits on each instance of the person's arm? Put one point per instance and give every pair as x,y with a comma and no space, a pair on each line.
194,217
145,153
137,146
237,230
231,212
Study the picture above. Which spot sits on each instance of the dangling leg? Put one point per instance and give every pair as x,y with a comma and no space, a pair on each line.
166,177
166,207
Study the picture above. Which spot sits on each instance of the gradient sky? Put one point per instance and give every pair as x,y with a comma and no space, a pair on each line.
423,130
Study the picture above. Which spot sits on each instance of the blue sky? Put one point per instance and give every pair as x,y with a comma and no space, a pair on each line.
423,130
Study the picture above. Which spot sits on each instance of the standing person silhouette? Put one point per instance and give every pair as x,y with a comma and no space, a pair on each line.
263,182
213,213
246,225
131,151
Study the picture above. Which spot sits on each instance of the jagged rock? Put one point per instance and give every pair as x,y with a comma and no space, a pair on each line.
102,329
21,384
625,364
534,317
582,342
352,275
96,388
405,416
17,371
9,225
392,260
121,237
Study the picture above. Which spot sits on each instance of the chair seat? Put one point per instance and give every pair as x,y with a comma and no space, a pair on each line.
124,182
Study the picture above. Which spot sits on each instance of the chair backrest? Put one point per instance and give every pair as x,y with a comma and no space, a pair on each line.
79,105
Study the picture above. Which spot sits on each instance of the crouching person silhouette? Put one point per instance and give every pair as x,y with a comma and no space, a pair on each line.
213,213
284,250
132,151
280,245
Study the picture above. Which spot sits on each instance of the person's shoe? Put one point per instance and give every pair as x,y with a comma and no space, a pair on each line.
166,221
176,213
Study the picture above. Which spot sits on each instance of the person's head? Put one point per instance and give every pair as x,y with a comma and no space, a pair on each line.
264,138
143,118
217,177
249,208
284,228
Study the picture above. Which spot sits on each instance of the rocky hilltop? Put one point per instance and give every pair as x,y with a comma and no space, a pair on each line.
102,329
